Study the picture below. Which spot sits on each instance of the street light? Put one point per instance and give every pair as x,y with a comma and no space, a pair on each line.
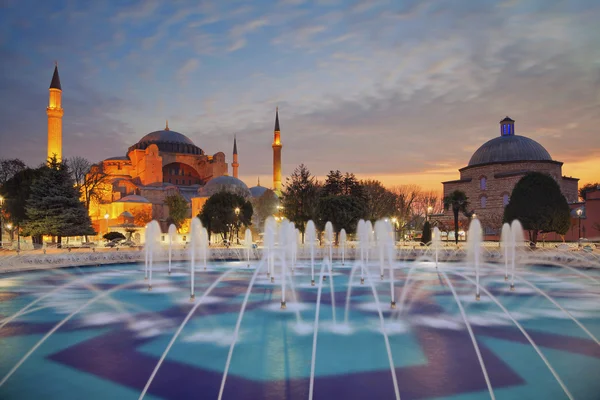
237,223
579,212
429,211
106,216
1,218
395,222
9,227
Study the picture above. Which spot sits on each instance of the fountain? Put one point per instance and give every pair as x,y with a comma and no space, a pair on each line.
506,242
343,244
248,243
474,250
152,234
310,236
269,244
172,234
242,328
516,243
329,238
195,245
363,242
436,243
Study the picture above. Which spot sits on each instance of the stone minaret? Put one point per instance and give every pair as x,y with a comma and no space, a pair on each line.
55,114
235,164
277,156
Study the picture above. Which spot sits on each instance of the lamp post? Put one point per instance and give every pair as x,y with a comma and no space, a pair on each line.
237,225
106,216
9,227
395,222
579,212
1,218
429,211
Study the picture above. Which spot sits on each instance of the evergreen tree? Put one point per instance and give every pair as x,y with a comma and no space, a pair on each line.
54,207
301,197
343,212
334,183
426,236
537,202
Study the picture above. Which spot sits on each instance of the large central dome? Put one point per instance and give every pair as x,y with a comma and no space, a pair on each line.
166,136
509,149
168,141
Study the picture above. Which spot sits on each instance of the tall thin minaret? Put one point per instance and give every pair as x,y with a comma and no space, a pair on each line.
235,164
277,155
55,113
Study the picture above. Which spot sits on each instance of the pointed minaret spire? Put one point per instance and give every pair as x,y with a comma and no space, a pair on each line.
167,126
258,181
55,83
55,112
277,155
235,163
277,120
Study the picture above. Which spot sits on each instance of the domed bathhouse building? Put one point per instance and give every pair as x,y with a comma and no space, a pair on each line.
493,171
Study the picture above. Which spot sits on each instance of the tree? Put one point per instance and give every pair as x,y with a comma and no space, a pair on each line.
265,206
90,179
10,167
141,216
379,201
343,212
54,207
16,191
110,236
426,235
537,202
588,187
334,183
218,213
406,195
178,209
301,197
458,201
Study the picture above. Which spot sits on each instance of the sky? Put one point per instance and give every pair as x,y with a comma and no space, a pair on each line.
398,90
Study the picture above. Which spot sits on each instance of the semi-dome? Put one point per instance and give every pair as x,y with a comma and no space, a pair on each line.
168,141
508,149
257,191
224,183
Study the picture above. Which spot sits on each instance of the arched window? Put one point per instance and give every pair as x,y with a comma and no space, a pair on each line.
483,183
505,199
483,201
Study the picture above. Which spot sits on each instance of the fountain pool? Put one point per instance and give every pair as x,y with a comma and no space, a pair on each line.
97,332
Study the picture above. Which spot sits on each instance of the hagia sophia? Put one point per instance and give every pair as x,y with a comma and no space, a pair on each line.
162,163
166,162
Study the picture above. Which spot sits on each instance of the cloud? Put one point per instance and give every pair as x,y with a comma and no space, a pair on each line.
186,69
238,32
388,89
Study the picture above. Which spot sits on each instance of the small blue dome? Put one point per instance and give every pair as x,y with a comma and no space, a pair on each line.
509,149
224,183
257,191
